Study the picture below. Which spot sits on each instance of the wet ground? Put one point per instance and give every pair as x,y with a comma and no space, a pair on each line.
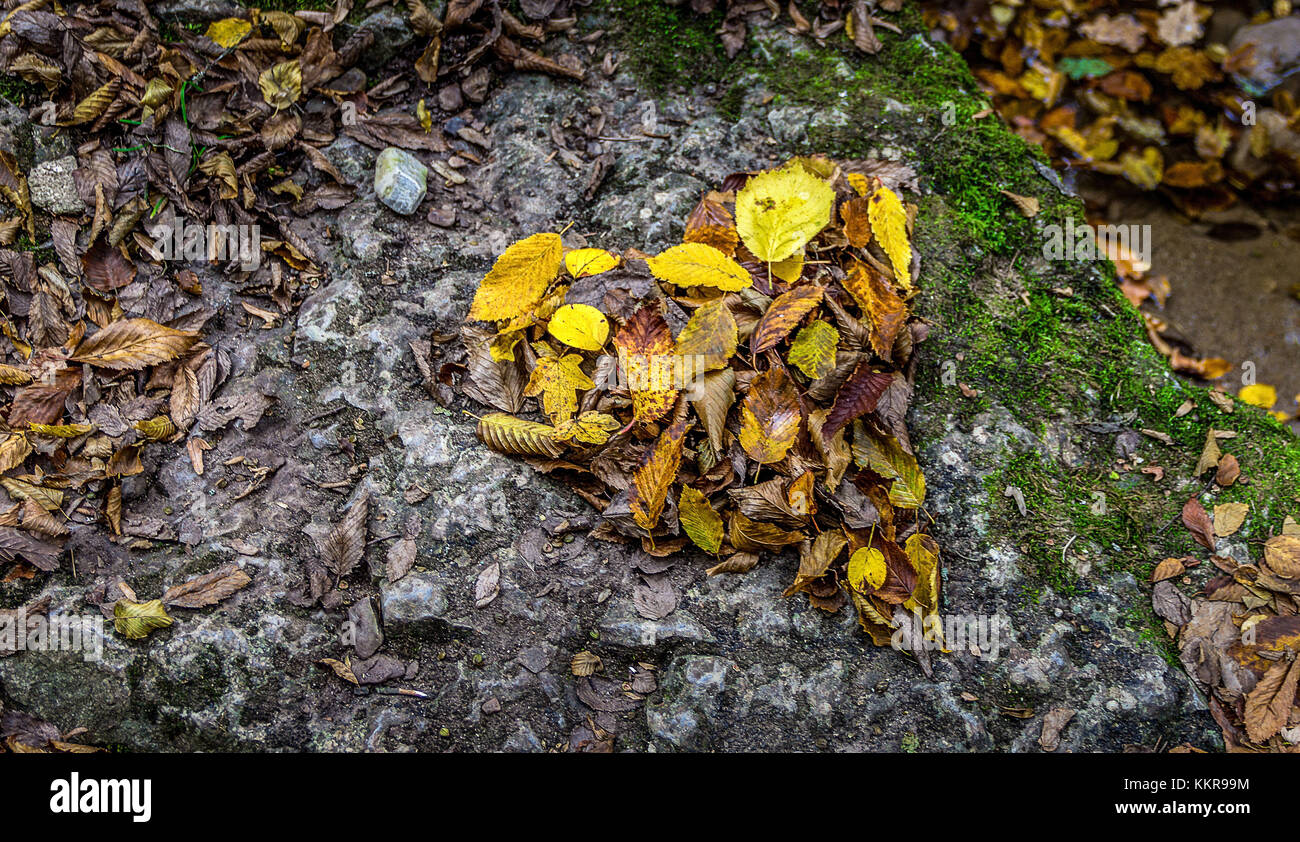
1234,284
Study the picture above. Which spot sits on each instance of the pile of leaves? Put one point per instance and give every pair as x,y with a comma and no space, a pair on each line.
755,392
1136,94
1239,637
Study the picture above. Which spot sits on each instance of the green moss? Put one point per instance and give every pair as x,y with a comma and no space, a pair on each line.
667,47
20,92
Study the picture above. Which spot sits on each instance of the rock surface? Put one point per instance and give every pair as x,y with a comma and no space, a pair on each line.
53,187
737,666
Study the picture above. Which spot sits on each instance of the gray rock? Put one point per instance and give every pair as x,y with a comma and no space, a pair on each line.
414,599
1276,55
53,187
400,180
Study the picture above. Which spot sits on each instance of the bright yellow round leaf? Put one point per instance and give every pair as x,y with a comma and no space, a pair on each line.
579,326
866,569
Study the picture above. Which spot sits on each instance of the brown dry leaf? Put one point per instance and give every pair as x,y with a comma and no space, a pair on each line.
1282,554
645,355
1168,569
133,344
488,585
1197,521
1228,518
770,417
207,589
786,312
1269,705
344,547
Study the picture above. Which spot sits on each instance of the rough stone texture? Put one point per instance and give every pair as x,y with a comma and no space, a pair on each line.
738,667
400,180
53,187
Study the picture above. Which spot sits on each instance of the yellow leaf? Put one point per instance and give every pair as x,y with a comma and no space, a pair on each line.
518,279
1258,395
590,427
698,264
655,475
889,226
709,338
507,434
923,552
134,620
557,379
779,211
814,349
228,32
579,326
887,458
281,84
157,428
422,114
62,431
700,522
13,450
583,262
867,569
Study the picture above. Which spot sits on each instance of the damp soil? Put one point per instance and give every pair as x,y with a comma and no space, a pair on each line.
1234,281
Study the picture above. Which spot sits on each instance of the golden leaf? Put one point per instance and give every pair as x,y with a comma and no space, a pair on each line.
61,431
710,337
10,376
228,32
590,427
507,434
585,663
581,263
557,380
888,459
13,451
779,211
134,620
923,552
157,428
698,264
769,418
867,569
96,103
889,225
655,476
579,326
814,349
281,84
1258,394
133,344
519,278
645,355
698,519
